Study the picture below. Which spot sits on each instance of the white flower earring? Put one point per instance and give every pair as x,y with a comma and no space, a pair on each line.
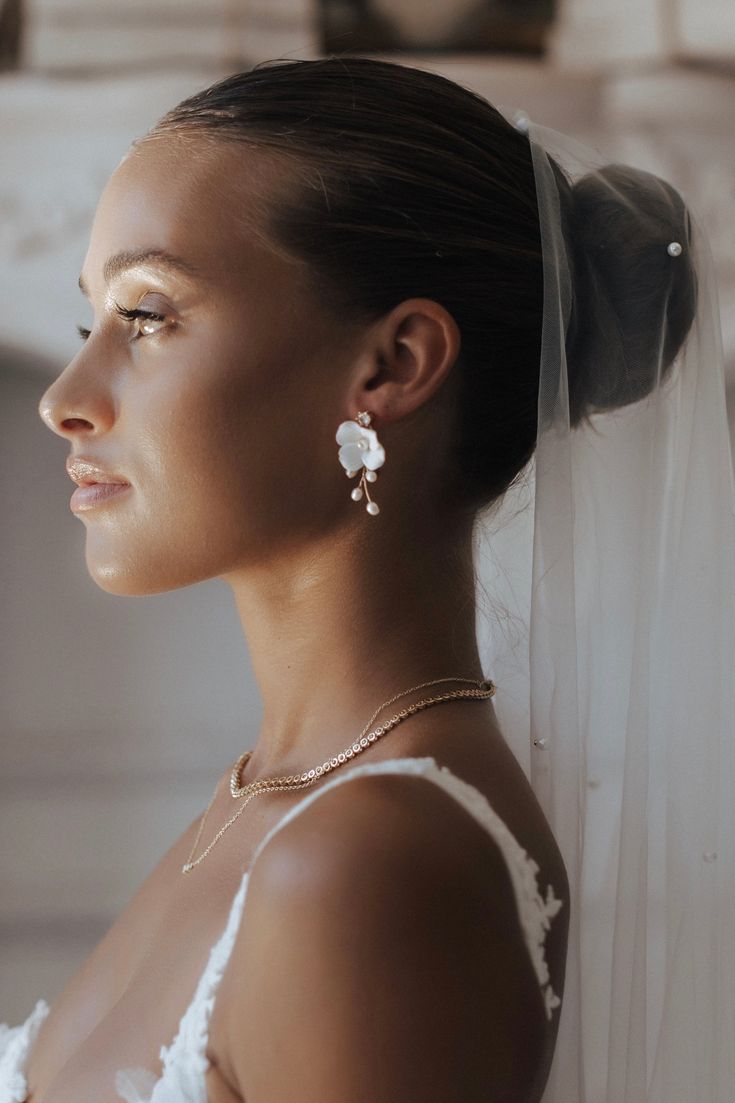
361,451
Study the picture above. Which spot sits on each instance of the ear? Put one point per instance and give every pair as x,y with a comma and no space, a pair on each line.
406,358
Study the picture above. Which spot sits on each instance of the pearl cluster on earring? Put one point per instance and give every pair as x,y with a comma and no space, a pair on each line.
361,451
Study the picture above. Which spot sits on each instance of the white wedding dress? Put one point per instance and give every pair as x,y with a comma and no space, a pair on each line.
181,1078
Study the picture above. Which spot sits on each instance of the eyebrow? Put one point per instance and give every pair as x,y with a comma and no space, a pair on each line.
120,262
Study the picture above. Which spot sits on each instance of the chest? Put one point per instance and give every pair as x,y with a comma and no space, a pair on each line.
89,1033
128,998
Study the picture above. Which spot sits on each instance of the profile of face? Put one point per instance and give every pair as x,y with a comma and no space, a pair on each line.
222,413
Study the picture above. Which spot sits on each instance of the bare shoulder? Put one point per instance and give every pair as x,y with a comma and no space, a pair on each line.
380,957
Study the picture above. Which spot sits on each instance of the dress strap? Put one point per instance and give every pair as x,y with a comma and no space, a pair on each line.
190,1042
185,1060
534,912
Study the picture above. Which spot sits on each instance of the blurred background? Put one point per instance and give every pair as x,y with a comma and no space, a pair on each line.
118,715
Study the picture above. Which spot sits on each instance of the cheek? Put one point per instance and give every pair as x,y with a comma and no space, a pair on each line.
233,447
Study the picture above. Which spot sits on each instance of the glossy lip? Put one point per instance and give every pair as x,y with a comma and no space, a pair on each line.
96,494
84,471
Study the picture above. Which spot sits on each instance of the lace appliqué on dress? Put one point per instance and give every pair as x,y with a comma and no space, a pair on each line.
185,1061
535,913
15,1045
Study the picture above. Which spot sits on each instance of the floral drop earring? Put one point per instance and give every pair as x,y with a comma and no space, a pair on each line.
361,451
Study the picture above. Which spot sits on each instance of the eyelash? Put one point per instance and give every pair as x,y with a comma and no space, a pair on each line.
129,315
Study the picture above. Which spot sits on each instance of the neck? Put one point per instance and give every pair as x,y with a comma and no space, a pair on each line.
335,633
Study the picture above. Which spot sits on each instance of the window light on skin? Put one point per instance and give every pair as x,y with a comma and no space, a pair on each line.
223,419
120,263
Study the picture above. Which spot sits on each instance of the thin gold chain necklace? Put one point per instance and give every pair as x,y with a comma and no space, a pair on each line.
485,688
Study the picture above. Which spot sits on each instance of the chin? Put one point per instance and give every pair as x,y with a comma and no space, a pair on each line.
125,581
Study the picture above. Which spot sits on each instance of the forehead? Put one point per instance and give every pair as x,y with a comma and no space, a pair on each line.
202,200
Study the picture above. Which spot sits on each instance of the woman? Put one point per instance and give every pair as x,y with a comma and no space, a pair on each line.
283,263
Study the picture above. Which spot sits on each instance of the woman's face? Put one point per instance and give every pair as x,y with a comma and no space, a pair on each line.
222,415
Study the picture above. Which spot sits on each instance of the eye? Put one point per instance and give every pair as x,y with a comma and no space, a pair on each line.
149,320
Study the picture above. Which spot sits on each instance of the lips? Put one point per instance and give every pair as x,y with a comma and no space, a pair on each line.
114,480
87,472
92,495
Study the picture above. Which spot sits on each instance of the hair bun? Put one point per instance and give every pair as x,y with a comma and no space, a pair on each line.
633,302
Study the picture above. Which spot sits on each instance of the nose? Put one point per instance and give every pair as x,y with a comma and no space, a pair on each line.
75,401
60,419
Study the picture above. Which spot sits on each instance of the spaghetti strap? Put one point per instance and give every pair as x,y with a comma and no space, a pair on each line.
534,912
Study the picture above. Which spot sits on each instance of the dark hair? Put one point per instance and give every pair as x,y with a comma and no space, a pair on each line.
627,291
409,184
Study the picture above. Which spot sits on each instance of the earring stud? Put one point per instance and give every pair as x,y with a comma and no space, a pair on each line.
361,451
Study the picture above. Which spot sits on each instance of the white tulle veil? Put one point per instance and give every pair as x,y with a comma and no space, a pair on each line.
606,618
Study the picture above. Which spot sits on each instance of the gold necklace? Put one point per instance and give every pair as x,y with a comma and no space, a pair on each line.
485,688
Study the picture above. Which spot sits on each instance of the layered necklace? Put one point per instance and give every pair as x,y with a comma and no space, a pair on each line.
483,688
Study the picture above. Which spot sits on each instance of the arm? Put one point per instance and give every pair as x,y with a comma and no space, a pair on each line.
380,958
